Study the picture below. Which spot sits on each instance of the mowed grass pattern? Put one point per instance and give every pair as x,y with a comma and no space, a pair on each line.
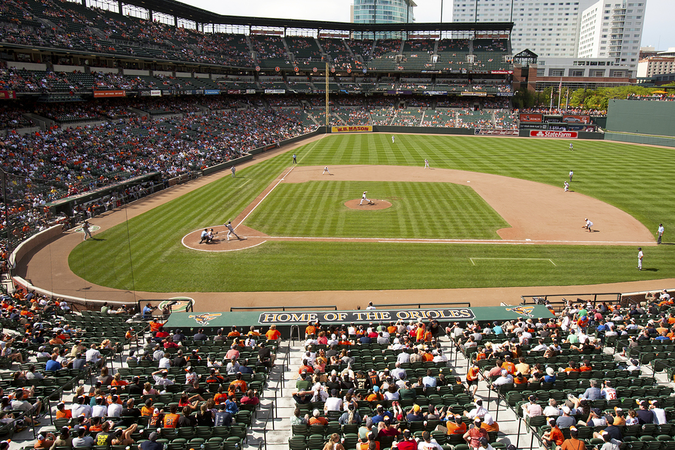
146,253
419,211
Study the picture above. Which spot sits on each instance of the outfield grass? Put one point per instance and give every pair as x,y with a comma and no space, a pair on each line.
419,210
636,179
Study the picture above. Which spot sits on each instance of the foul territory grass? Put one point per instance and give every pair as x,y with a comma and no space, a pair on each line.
634,178
419,210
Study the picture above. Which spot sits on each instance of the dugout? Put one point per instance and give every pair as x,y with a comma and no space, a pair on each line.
292,321
641,122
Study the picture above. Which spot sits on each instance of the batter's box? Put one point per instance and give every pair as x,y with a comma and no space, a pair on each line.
473,260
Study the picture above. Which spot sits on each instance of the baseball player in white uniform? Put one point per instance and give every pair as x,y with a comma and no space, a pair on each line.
426,164
364,198
571,175
230,230
393,139
588,225
326,171
640,256
567,186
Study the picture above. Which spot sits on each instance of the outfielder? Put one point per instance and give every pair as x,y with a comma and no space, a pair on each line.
364,198
230,230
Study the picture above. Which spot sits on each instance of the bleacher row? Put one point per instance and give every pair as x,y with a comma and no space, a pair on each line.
632,387
123,337
72,26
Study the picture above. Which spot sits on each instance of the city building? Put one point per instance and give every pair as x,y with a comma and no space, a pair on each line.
661,64
612,29
570,29
383,11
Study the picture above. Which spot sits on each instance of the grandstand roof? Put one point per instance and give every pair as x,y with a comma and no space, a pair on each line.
199,15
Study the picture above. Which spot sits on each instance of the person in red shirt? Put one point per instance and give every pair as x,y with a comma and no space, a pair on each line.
305,367
408,443
585,366
472,437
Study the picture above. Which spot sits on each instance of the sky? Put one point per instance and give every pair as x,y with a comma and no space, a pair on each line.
658,30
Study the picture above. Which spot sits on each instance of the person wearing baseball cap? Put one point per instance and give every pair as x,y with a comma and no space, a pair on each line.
151,443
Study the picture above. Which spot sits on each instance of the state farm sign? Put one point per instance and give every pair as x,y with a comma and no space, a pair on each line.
554,134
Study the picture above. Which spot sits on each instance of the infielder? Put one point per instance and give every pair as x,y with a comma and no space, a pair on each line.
640,256
567,186
588,225
660,231
230,230
364,198
426,164
326,171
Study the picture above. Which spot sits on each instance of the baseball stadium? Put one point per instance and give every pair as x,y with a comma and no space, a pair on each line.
225,233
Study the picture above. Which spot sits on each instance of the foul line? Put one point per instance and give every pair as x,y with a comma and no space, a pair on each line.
517,259
261,200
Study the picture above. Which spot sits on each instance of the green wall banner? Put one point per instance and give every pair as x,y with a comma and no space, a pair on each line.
286,318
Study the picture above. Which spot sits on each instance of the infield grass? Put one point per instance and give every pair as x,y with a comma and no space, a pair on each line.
419,210
637,179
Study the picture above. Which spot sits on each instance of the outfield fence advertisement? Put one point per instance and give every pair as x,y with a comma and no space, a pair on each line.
554,134
531,118
351,129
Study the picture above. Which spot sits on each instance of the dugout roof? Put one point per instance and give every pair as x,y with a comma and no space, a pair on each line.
202,16
245,319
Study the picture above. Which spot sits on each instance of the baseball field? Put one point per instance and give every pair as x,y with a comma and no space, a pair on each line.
490,212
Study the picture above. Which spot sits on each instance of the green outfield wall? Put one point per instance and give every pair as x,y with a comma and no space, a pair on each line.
641,122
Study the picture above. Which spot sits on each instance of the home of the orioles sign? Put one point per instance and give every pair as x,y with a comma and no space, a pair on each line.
373,315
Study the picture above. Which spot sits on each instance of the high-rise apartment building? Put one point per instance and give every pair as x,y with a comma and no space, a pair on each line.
612,29
565,28
383,11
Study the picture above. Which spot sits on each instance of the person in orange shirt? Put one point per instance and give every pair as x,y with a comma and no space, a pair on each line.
310,330
375,396
472,379
220,396
118,381
147,409
237,384
520,379
273,334
62,412
171,419
489,424
392,329
456,426
554,437
508,365
234,333
253,332
572,367
155,325
585,366
419,333
316,419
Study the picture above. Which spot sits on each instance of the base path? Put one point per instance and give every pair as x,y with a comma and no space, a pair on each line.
48,268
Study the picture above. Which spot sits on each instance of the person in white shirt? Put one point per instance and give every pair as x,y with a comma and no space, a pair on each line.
114,409
403,357
659,413
93,356
426,443
532,409
99,409
333,403
552,409
478,411
81,408
165,362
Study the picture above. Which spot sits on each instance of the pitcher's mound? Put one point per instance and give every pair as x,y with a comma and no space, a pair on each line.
374,204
